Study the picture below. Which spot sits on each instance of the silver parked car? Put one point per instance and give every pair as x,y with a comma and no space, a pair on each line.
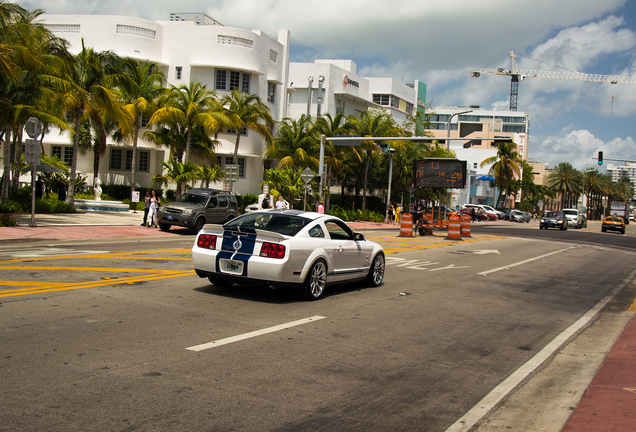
519,216
304,251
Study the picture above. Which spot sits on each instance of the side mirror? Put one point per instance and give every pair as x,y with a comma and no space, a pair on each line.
358,237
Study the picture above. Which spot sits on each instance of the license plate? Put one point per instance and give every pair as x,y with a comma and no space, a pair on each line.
169,217
230,266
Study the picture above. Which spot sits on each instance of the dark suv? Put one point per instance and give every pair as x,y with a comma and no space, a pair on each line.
197,207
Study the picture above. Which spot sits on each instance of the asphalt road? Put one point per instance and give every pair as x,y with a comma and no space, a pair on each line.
119,335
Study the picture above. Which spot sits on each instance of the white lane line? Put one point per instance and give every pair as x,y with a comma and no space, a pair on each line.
524,261
492,399
254,334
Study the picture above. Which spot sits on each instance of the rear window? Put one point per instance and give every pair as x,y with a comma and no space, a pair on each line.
571,212
282,224
614,219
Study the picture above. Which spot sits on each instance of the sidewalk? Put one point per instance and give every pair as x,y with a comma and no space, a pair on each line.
609,404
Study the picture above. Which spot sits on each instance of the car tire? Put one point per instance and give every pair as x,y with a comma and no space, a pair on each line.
376,271
229,218
603,230
164,226
623,232
220,282
314,285
198,225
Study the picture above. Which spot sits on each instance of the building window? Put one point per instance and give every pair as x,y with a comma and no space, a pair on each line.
221,79
409,107
475,165
63,153
241,164
273,56
120,159
232,131
144,161
382,99
395,101
340,105
235,80
178,72
271,92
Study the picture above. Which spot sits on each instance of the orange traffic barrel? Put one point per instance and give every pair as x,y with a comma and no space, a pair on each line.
465,223
454,229
406,227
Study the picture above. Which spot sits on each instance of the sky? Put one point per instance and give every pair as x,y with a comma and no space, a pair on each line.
439,42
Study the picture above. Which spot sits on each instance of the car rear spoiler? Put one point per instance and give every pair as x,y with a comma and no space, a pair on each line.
259,232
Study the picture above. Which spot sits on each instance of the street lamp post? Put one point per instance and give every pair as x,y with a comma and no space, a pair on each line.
448,125
448,130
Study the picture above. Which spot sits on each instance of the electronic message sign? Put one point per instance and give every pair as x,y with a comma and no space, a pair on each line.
439,173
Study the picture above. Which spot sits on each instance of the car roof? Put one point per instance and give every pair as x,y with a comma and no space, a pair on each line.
305,214
205,191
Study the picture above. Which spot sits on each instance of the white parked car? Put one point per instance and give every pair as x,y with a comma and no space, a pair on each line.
305,251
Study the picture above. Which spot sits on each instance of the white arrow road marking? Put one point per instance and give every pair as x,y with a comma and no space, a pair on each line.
484,252
253,334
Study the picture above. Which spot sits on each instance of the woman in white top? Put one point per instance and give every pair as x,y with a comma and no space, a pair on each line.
280,204
152,214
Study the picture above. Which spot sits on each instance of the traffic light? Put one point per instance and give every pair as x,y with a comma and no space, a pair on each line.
600,158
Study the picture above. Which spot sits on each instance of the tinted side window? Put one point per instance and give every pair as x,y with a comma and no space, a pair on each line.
338,230
316,232
232,201
222,202
213,203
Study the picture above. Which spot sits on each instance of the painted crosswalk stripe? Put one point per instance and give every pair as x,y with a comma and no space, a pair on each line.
254,334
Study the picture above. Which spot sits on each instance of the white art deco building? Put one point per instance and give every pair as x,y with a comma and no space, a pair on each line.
189,47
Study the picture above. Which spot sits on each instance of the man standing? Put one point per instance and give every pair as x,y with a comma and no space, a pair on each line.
146,207
61,190
39,188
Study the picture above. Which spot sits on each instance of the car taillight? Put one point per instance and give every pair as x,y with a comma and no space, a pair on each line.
206,241
272,250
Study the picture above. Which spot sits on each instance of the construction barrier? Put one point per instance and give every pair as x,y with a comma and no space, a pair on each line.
454,229
465,223
406,226
425,224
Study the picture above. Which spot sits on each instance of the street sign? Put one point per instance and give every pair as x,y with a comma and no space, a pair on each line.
33,127
31,151
307,175
232,172
440,173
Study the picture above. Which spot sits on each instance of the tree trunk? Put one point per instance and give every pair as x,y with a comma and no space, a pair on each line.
134,157
70,196
366,175
236,146
6,174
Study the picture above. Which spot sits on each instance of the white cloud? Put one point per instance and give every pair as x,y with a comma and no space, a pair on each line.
579,147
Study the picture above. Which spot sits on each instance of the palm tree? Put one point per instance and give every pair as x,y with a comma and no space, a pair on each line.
88,93
176,172
140,88
296,145
335,156
190,106
247,111
372,124
28,54
565,180
505,165
209,175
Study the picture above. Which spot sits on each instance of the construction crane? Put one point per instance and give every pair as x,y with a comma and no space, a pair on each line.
517,75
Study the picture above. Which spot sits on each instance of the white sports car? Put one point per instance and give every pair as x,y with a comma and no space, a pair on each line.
286,249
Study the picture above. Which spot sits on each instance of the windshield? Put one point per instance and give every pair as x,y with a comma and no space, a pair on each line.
570,212
198,200
280,223
553,214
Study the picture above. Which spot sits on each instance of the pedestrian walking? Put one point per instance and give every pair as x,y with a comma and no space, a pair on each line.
321,207
390,213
